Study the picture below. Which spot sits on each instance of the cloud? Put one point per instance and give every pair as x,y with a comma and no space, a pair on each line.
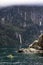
20,2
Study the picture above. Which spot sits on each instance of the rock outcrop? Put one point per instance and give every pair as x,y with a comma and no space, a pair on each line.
35,47
37,44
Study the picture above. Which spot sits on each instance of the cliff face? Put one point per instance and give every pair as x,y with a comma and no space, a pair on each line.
20,13
23,20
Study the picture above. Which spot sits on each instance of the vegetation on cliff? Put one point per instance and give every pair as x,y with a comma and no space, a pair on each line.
17,20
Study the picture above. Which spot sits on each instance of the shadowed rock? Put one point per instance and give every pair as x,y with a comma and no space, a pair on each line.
37,44
20,50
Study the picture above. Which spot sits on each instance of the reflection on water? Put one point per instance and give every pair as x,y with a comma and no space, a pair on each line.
19,59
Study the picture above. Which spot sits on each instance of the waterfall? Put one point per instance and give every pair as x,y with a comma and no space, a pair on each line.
25,16
20,40
3,20
18,10
40,27
21,14
40,23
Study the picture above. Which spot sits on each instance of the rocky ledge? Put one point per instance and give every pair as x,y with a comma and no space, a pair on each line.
35,47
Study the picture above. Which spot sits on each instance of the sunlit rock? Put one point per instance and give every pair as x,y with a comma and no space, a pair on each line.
35,47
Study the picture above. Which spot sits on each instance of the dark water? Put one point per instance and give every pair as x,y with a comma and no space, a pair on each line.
19,59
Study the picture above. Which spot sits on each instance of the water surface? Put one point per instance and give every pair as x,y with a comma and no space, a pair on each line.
19,59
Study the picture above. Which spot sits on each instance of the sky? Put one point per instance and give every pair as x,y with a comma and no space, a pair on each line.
4,3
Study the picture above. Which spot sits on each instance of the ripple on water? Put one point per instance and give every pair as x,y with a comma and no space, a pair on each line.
19,59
